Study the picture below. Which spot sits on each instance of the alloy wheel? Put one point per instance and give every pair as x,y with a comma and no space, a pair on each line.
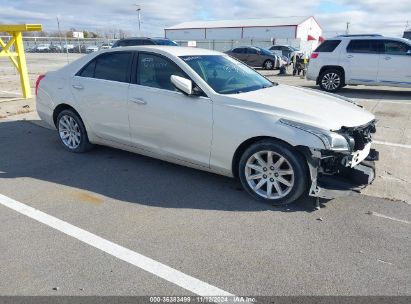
269,174
331,81
69,132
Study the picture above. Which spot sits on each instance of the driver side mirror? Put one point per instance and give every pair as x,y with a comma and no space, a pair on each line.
408,52
182,84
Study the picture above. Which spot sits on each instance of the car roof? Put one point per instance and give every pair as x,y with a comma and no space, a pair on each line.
165,49
365,36
144,38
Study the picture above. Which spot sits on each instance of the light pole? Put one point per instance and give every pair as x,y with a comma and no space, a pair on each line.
139,18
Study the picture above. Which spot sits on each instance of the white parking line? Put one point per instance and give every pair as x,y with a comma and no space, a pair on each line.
9,92
391,144
388,217
163,271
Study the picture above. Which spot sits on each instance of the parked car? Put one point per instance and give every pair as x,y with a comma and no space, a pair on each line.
206,110
91,49
42,48
55,48
361,59
256,57
106,46
286,50
69,48
144,41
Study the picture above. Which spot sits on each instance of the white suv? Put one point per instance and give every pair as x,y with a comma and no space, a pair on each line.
361,59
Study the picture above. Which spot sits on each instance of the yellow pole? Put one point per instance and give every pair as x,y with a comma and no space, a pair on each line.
21,60
18,58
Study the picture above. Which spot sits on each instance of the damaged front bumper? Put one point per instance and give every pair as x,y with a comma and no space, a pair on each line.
338,173
331,178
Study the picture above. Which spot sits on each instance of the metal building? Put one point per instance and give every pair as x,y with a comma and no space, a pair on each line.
297,29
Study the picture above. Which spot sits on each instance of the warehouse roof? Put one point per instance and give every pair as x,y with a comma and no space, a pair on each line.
277,21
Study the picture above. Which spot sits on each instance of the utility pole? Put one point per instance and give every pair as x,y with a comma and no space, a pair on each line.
58,26
347,29
139,18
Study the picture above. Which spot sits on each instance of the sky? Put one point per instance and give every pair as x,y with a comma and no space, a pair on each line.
365,16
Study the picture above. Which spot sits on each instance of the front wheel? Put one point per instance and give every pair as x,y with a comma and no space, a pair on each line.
273,171
331,80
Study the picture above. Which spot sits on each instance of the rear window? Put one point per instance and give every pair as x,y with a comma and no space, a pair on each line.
366,46
327,46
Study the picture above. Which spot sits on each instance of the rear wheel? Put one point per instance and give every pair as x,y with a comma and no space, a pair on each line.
331,80
272,171
268,65
72,132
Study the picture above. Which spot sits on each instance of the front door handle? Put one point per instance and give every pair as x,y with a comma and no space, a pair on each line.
139,101
387,58
350,56
78,86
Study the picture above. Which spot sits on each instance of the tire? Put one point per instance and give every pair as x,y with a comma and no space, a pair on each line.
286,175
331,80
268,64
72,133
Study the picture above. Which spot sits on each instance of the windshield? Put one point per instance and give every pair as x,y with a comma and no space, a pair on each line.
226,75
164,42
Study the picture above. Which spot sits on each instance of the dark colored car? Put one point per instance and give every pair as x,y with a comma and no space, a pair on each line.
286,50
255,57
143,41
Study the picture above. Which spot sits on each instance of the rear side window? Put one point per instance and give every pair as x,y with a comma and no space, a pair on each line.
366,46
392,47
113,66
327,46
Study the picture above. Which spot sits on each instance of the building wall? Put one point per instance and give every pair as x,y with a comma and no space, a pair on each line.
185,34
224,33
236,33
269,32
309,27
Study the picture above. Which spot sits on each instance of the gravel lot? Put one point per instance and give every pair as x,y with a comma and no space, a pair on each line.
198,223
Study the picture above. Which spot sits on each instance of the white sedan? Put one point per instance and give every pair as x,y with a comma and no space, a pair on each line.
206,110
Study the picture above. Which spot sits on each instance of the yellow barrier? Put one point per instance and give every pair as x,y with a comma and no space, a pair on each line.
18,57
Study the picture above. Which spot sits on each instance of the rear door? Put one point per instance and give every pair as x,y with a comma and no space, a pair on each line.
239,53
100,90
253,58
361,61
395,63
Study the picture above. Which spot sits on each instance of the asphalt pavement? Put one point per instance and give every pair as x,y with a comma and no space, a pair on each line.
198,223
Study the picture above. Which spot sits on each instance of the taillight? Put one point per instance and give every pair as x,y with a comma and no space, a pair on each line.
314,55
38,82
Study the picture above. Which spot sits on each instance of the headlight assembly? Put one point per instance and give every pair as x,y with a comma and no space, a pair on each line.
332,140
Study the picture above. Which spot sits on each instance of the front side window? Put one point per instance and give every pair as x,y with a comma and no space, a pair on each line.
252,51
392,47
226,75
113,66
155,71
366,46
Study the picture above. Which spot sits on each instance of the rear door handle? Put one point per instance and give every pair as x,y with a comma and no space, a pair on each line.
78,86
139,101
387,58
350,56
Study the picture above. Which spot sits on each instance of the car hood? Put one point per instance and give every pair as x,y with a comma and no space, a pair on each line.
323,110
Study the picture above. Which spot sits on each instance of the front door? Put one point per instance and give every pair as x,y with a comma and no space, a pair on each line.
164,120
395,63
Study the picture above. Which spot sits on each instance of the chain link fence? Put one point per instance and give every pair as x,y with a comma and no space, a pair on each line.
88,45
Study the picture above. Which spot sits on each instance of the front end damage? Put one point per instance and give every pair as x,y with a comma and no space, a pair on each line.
339,173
